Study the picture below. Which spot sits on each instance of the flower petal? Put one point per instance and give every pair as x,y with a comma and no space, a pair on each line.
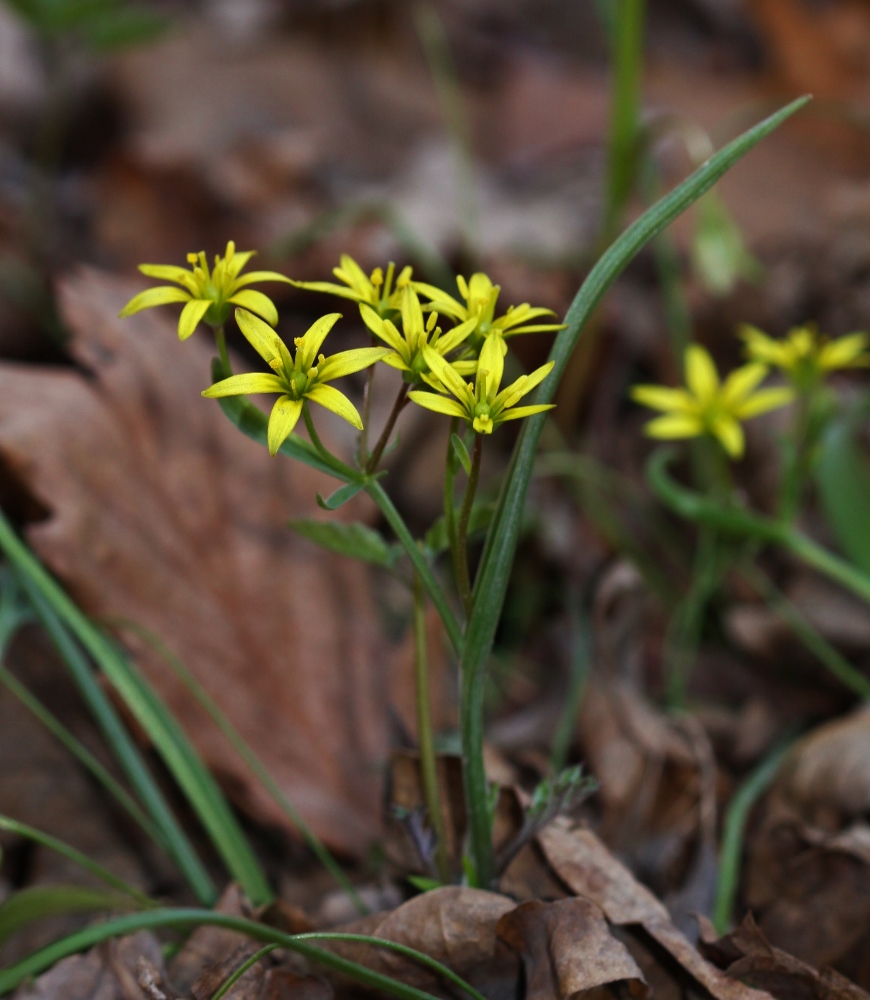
190,316
263,339
381,328
330,288
760,347
336,401
160,296
534,328
491,360
412,314
701,375
395,360
445,373
440,404
730,433
354,275
283,418
518,412
309,345
257,302
449,341
254,276
171,272
762,401
441,301
843,352
741,382
348,362
236,261
661,397
242,385
674,425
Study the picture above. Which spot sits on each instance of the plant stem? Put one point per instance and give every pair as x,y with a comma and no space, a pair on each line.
312,433
366,415
449,496
795,460
399,405
733,829
221,341
463,577
425,736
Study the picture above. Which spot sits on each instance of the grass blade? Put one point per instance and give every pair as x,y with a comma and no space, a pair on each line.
500,547
257,767
843,481
82,754
42,901
169,739
77,858
182,919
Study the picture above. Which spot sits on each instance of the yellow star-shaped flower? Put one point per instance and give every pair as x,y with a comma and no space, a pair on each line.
208,294
375,291
480,296
296,378
708,406
482,404
804,355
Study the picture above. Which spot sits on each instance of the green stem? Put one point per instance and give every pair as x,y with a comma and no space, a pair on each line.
363,456
451,465
463,576
739,522
315,437
733,830
425,735
795,460
812,639
221,341
625,111
399,405
418,561
249,963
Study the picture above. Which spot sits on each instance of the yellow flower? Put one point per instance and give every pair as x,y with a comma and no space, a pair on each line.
708,406
208,295
481,404
480,296
375,291
407,346
805,356
296,378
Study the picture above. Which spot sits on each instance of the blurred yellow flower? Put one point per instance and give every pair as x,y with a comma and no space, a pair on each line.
296,378
208,294
805,356
708,406
481,404
375,291
480,296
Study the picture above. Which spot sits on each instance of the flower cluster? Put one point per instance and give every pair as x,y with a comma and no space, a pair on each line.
435,364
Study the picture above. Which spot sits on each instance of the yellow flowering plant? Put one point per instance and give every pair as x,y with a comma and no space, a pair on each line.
708,406
375,291
208,294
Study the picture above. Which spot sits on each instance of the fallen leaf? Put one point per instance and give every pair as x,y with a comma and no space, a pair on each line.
454,925
209,946
163,513
746,954
567,949
585,864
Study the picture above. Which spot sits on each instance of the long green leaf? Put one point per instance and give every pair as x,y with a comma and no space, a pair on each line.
185,918
172,837
843,480
76,857
358,541
497,559
182,760
41,901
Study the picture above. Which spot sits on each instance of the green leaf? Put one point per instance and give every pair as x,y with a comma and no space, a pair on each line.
123,28
340,497
494,570
41,901
461,452
355,540
843,481
424,884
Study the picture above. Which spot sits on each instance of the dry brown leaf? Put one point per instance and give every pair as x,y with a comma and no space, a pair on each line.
567,949
455,925
583,862
163,513
746,954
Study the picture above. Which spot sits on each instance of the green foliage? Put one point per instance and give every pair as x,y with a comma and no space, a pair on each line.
103,25
355,540
436,540
41,901
843,481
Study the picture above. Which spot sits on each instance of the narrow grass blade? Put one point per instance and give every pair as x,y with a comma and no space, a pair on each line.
243,749
231,980
500,547
77,858
172,838
169,739
843,481
84,756
182,919
41,901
